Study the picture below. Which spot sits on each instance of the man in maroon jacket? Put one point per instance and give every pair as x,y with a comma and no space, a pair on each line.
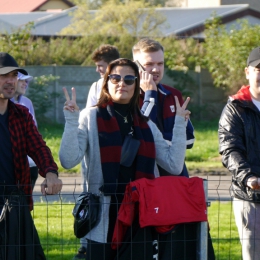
19,137
157,100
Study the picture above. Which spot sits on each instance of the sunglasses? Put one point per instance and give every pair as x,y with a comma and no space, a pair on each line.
128,79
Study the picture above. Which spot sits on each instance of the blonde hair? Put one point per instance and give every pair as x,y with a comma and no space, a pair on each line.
147,45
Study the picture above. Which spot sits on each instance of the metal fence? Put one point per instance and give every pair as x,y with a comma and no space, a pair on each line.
53,219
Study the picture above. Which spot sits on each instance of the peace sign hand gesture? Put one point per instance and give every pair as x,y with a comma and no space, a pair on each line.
181,110
70,104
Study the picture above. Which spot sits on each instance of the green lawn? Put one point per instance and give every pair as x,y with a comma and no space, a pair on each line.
223,231
52,134
204,153
54,223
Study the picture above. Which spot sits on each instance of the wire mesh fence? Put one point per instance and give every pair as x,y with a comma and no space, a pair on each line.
52,216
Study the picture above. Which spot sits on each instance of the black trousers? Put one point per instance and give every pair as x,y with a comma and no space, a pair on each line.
181,244
143,244
137,245
140,248
19,239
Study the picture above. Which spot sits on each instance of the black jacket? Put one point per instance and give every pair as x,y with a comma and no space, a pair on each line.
239,143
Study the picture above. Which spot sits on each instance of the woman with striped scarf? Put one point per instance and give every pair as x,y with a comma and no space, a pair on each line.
119,145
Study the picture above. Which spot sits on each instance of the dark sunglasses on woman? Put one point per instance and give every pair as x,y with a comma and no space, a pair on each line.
128,79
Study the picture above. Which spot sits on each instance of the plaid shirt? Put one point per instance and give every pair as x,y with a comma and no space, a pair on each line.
26,140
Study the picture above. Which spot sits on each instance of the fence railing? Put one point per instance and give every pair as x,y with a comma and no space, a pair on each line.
52,216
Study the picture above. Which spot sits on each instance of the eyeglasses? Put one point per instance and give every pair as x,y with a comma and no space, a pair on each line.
128,79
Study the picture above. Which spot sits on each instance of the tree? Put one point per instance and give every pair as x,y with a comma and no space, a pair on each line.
182,57
19,43
96,4
115,18
175,3
182,54
156,2
226,51
41,97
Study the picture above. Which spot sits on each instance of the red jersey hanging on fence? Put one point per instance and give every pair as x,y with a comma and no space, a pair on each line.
163,202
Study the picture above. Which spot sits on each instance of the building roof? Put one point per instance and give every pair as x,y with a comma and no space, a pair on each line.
23,6
45,23
189,22
17,20
52,24
182,22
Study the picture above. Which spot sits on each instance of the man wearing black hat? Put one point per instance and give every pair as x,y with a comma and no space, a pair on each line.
19,137
239,145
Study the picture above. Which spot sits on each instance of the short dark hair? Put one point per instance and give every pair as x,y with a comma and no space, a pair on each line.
147,45
105,96
105,52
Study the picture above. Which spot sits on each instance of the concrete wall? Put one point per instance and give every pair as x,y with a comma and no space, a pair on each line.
207,101
69,76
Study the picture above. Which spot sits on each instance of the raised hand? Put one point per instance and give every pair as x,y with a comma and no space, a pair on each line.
70,104
181,110
146,81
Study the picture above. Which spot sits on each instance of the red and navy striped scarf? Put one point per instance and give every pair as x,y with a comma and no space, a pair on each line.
110,142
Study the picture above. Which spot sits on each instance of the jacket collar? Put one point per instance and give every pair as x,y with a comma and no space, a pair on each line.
243,97
12,108
163,90
242,94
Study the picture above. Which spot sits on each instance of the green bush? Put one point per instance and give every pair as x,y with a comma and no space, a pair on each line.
227,51
41,97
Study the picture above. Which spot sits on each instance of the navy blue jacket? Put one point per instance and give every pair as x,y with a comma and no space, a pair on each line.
163,114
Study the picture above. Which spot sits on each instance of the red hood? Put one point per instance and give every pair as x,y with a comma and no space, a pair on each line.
242,94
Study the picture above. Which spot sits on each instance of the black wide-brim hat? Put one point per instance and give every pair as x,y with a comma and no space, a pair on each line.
8,64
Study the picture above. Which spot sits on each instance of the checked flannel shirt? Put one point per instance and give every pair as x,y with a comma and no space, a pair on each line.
26,140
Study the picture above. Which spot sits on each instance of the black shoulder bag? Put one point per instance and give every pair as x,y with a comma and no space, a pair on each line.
86,213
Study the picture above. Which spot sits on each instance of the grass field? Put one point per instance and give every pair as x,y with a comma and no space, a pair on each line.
204,153
223,231
52,134
54,223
